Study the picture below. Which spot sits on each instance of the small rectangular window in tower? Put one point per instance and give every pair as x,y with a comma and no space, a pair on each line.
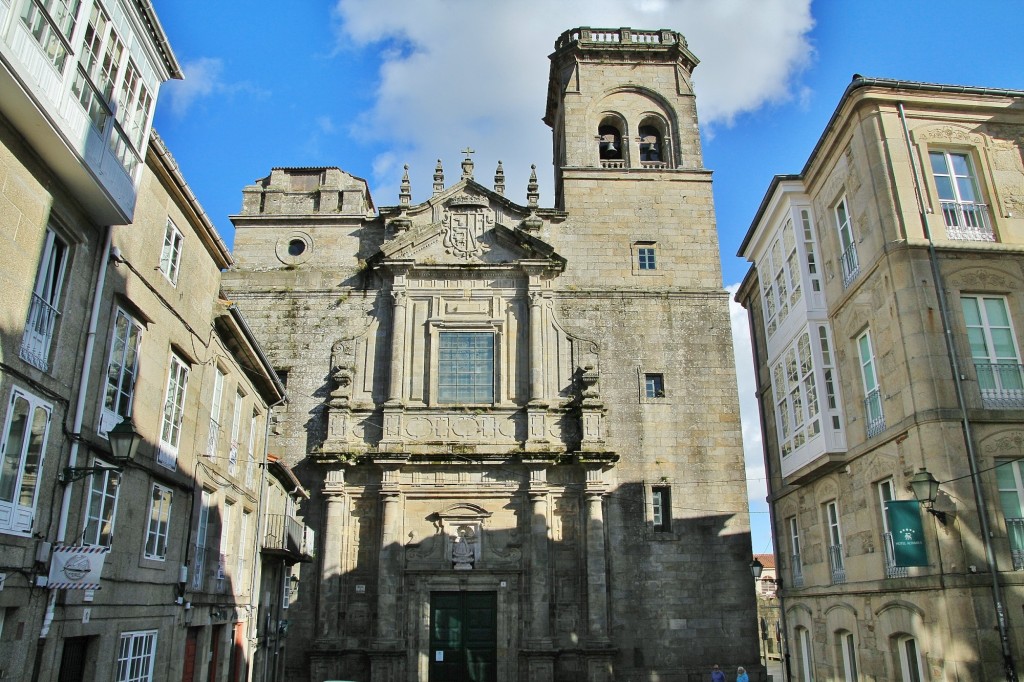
645,254
661,499
654,385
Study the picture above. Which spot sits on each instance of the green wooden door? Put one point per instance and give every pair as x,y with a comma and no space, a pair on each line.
463,636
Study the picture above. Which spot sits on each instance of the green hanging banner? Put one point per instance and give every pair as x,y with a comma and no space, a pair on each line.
907,532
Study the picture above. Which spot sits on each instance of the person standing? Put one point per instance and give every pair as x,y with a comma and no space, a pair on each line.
741,675
716,674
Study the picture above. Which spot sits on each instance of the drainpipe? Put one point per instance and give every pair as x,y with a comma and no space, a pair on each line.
965,423
255,588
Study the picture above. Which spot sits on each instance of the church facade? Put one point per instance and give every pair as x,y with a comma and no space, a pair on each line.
518,424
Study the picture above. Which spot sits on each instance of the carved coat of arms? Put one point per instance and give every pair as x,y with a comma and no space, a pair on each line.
463,225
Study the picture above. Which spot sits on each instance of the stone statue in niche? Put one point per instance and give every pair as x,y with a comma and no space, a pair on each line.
463,552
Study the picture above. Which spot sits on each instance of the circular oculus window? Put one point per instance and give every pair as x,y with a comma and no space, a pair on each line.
294,249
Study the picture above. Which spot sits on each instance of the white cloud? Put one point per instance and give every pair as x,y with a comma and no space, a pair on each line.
203,79
463,72
750,419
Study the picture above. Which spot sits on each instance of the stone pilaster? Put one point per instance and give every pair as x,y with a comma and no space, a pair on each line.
597,571
334,530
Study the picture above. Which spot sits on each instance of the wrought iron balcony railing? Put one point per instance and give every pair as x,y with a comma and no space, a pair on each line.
891,569
967,221
836,565
1001,384
288,535
35,344
851,266
1015,532
873,415
796,570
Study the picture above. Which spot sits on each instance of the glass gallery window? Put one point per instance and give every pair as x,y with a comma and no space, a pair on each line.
465,372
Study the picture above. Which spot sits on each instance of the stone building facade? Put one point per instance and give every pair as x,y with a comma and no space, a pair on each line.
518,425
885,307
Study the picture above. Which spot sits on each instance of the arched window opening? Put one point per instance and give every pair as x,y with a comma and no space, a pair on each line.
609,142
650,144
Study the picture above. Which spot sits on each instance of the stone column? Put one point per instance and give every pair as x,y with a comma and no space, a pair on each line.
333,546
387,571
540,585
397,346
597,579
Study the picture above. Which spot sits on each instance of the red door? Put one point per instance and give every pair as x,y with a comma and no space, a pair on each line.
215,635
189,669
238,664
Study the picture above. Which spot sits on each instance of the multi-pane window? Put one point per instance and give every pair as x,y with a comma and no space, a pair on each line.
873,414
796,396
136,656
134,104
828,370
957,185
661,499
122,368
806,659
213,439
466,367
1010,479
848,257
236,425
170,255
994,351
202,530
646,258
99,517
797,564
779,272
835,543
98,67
227,524
51,23
810,250
44,308
654,385
174,412
21,460
159,522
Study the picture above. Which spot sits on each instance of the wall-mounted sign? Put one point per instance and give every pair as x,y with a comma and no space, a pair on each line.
76,568
907,533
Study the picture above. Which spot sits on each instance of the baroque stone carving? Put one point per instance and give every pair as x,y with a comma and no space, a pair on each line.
983,278
947,133
463,224
1008,443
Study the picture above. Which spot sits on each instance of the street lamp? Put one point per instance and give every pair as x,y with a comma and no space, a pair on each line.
756,568
926,487
124,443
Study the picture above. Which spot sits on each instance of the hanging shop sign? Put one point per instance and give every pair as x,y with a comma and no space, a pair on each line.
907,532
76,568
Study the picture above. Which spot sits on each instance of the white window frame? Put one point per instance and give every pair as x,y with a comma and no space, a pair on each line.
101,510
964,214
216,402
136,656
51,29
286,591
911,667
848,647
874,414
781,279
661,508
803,636
837,562
16,517
798,407
227,522
173,412
158,528
241,574
654,385
1013,518
999,374
170,254
236,427
122,371
848,260
44,307
810,250
202,531
796,561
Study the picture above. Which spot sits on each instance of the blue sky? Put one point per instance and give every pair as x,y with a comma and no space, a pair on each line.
370,85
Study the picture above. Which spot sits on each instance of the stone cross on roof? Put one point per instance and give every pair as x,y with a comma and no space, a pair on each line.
467,164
